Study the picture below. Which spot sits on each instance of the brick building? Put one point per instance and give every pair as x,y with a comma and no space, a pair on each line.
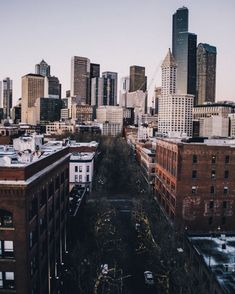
33,215
195,183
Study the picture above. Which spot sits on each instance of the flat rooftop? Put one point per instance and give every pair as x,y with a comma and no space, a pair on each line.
226,142
82,156
218,254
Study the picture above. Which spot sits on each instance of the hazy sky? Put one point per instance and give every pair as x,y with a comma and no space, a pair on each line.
114,33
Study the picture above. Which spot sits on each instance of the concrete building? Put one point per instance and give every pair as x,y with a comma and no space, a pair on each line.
138,80
97,91
110,114
59,128
32,88
206,73
80,78
184,48
82,113
195,183
212,109
33,219
214,126
175,110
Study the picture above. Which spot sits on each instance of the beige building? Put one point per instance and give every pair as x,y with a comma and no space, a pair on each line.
112,114
207,110
214,126
32,88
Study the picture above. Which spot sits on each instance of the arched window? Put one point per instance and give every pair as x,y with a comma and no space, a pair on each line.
6,219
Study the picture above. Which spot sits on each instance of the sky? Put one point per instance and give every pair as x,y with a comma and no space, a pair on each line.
114,33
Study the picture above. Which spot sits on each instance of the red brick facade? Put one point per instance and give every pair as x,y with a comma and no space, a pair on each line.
38,206
195,185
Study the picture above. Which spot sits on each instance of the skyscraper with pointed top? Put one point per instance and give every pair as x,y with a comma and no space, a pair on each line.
43,69
175,110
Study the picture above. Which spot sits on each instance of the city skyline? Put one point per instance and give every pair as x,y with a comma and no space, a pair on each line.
35,31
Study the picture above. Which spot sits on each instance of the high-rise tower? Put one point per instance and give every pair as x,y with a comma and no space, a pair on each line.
184,45
42,69
32,88
175,110
80,78
206,73
138,80
6,94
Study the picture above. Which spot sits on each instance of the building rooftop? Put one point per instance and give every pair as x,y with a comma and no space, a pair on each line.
218,254
82,156
223,142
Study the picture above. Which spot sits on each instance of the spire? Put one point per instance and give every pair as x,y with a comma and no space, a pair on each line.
169,60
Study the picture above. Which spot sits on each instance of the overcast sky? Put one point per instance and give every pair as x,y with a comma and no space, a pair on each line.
114,33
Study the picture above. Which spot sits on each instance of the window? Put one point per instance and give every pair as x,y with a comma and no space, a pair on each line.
224,204
226,159
76,168
213,174
7,280
80,168
213,159
80,178
6,219
6,249
226,174
212,189
75,178
194,158
87,168
194,174
225,190
194,190
87,178
211,205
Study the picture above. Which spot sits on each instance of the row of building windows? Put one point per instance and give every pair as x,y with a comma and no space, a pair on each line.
79,168
213,159
79,178
212,190
213,174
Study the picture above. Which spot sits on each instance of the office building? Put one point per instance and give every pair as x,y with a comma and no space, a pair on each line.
104,89
206,73
124,89
195,183
80,78
82,113
32,88
42,69
110,88
53,85
184,48
6,97
138,80
94,70
33,218
175,110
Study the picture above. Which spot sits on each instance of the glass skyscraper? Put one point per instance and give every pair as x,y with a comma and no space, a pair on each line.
184,46
206,73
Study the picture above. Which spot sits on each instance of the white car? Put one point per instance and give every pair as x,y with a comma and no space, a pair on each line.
148,278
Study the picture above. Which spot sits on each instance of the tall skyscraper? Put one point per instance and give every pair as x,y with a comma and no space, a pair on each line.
42,69
6,97
80,78
53,86
94,73
175,110
110,88
184,46
32,88
104,89
206,73
124,89
138,80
